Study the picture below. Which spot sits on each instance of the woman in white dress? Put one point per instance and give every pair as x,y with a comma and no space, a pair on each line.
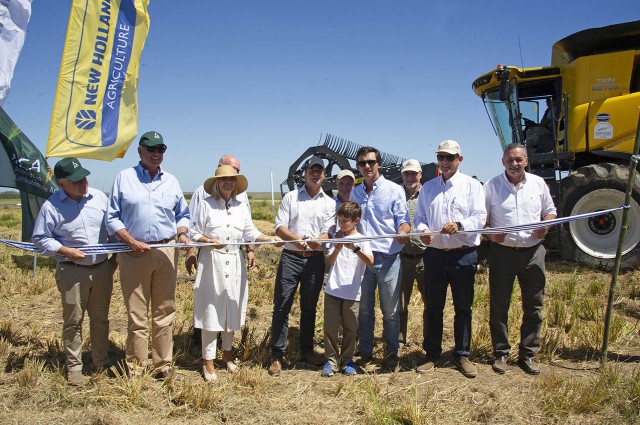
220,291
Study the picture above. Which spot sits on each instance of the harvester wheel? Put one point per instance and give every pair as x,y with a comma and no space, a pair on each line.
595,240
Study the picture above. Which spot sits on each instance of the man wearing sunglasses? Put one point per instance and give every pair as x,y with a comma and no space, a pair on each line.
448,204
147,207
384,211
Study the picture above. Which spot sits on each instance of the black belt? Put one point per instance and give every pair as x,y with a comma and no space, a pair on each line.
521,248
304,254
462,248
88,266
405,255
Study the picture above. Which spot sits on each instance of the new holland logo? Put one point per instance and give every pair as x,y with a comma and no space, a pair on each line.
86,119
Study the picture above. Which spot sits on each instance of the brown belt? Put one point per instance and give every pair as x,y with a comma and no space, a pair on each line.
88,266
162,242
304,254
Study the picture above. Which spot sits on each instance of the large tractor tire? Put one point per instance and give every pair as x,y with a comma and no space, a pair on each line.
594,240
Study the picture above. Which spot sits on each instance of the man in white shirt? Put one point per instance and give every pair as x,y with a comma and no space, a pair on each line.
512,198
448,204
305,213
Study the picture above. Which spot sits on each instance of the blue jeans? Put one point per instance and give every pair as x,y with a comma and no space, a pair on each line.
385,274
442,268
309,274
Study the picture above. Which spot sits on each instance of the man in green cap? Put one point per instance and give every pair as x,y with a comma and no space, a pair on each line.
74,216
147,207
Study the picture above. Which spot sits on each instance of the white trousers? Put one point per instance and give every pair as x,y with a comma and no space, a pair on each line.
210,340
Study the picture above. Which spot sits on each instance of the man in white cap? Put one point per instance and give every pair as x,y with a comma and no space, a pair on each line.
411,254
448,204
345,182
305,213
74,216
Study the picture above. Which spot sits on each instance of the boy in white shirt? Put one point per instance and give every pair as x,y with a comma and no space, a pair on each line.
342,291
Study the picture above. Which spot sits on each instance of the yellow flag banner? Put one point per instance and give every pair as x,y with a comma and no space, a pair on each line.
95,113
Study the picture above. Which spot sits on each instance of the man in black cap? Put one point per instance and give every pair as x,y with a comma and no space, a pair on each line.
305,213
147,207
74,216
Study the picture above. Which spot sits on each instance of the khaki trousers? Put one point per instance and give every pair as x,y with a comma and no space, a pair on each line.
85,289
338,311
149,279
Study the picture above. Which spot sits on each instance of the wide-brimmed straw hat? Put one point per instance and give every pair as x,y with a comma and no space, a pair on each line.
227,171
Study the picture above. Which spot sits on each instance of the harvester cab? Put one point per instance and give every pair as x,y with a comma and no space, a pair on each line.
578,119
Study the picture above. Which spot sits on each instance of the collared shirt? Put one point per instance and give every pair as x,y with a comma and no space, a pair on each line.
150,209
63,221
345,275
509,206
459,199
304,215
415,245
201,194
384,210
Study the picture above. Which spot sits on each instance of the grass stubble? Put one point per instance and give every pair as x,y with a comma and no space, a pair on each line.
571,389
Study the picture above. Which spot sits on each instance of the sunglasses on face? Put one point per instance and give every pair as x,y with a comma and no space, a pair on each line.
370,163
157,148
449,158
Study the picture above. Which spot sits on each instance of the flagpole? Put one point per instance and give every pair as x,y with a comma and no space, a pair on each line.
625,225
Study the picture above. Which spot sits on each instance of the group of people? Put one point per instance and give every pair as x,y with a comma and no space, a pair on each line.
320,234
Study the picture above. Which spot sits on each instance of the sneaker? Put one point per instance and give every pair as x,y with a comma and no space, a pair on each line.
349,369
275,369
327,370
467,368
529,365
500,365
75,378
427,366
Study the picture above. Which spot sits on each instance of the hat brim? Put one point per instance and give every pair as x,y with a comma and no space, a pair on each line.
152,143
78,174
241,183
449,151
414,169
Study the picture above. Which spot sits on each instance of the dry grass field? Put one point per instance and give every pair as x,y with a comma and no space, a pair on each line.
571,389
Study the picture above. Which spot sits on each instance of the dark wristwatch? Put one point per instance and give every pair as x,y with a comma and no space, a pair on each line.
459,225
356,249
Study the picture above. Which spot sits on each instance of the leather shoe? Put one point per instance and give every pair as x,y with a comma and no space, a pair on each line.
364,359
75,378
275,369
529,365
312,359
500,365
467,368
427,366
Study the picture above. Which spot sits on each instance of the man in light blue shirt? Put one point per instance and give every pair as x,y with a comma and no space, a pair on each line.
72,217
147,207
384,211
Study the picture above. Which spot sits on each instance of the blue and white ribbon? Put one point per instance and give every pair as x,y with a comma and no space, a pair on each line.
112,248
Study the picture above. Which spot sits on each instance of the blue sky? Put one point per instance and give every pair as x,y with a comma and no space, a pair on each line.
263,80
